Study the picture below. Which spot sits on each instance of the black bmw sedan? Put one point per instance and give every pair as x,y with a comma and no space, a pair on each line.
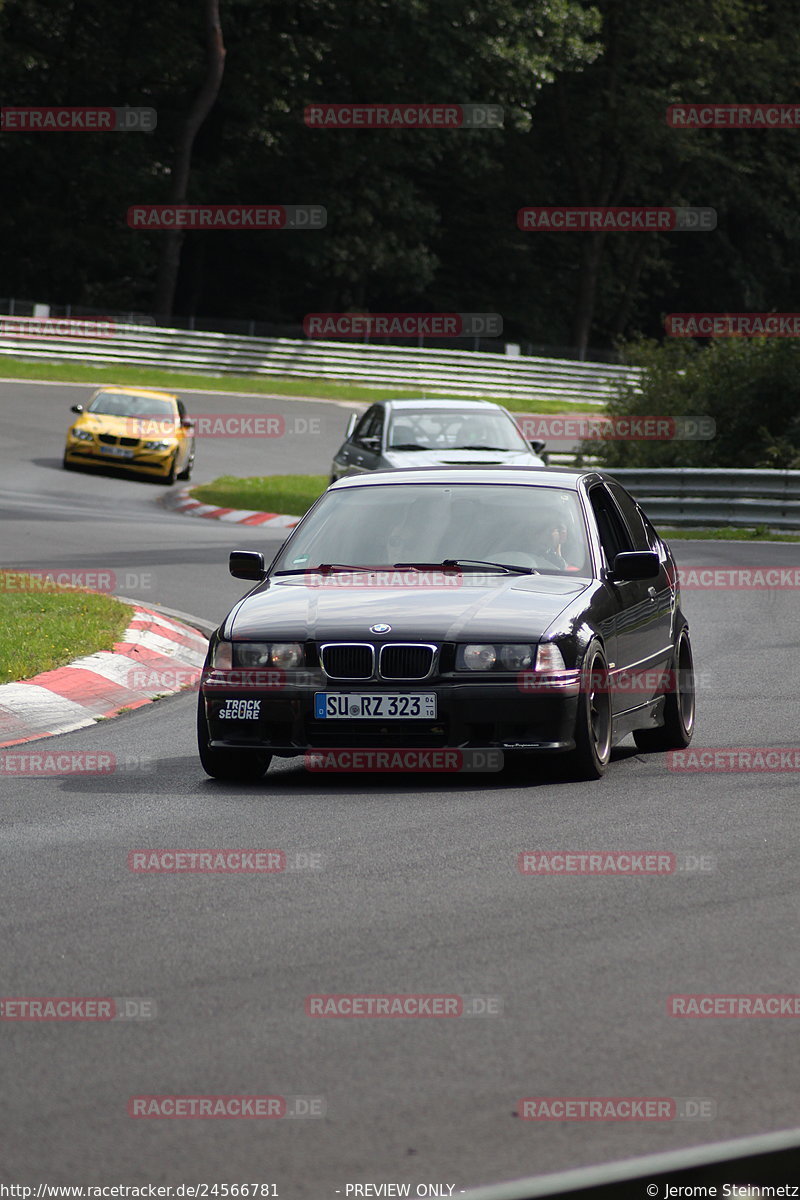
511,609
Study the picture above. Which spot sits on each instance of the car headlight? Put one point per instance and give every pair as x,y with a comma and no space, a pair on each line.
516,657
479,657
286,654
156,445
222,656
268,654
507,656
82,435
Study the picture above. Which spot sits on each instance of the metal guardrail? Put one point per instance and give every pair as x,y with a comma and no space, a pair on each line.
454,372
685,496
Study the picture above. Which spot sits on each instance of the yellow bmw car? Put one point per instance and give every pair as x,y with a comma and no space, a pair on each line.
135,428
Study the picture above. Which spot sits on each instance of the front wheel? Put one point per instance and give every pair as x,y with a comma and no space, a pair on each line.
679,705
592,750
171,476
186,473
235,766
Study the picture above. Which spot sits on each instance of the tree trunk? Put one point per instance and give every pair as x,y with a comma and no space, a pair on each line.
591,255
172,240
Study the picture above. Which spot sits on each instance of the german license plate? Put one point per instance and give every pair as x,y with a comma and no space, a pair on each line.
116,451
374,706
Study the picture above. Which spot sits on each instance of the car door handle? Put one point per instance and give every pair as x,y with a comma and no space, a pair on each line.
652,593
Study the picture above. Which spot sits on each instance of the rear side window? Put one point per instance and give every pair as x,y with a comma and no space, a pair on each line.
614,536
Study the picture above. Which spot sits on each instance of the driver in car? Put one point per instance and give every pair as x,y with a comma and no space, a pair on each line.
550,543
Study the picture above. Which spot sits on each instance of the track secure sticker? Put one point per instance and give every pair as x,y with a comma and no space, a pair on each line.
240,710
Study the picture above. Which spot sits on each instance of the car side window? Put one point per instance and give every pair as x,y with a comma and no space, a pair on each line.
614,536
181,409
634,518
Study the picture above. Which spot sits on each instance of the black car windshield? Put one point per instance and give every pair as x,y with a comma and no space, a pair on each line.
453,429
378,526
126,404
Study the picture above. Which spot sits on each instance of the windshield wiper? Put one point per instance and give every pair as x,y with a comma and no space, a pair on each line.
325,568
459,563
408,446
504,449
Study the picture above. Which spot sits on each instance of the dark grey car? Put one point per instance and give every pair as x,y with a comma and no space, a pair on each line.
432,433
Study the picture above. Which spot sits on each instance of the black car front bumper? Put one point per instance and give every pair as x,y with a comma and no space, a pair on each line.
470,714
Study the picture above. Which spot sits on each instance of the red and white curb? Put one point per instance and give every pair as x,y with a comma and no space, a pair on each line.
156,652
184,502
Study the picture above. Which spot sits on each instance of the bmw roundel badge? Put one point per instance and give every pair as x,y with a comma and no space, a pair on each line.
381,627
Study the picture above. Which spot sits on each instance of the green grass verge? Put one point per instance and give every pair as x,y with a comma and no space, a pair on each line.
290,494
760,534
41,629
315,389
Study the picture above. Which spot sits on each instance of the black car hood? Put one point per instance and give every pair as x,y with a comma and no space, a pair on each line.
493,607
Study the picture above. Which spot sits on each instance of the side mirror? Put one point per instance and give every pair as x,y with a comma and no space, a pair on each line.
538,447
351,424
187,423
246,564
77,408
635,564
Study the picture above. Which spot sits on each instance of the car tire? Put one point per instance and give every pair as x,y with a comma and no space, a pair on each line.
68,466
679,706
186,473
170,476
234,766
592,750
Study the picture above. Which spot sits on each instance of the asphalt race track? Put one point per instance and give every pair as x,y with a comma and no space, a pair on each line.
418,892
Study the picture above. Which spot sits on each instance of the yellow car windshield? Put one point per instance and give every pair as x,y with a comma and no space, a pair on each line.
123,404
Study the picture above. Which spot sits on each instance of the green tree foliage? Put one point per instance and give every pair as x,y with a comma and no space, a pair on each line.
749,387
416,220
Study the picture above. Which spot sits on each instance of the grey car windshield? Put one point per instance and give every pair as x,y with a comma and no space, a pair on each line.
537,527
449,429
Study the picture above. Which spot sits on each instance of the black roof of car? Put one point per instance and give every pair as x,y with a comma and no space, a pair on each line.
532,476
